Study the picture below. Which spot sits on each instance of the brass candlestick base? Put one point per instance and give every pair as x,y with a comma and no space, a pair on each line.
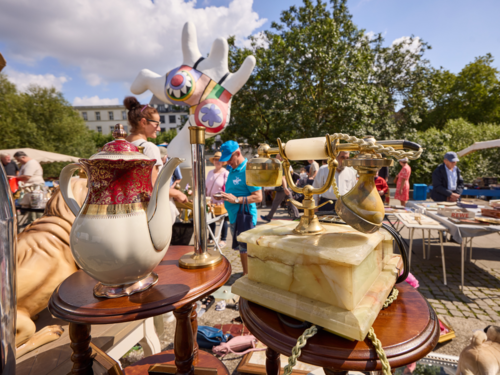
206,259
309,225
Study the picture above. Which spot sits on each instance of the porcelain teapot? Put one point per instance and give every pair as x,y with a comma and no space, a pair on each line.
123,229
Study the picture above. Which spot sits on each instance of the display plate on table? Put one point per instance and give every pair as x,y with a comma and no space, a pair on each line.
456,213
490,220
468,222
490,212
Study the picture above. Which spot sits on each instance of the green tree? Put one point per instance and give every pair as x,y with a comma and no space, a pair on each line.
41,118
164,137
473,94
318,73
457,135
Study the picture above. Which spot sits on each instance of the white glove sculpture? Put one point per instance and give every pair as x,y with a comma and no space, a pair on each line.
203,84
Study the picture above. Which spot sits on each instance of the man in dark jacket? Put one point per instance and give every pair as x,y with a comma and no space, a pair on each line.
447,181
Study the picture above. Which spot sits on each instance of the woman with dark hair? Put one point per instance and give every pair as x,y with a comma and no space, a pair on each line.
144,122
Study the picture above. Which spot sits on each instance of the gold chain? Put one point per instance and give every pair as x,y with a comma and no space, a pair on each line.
379,149
310,332
301,342
392,297
386,367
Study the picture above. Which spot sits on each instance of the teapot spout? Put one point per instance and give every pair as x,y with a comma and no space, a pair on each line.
159,211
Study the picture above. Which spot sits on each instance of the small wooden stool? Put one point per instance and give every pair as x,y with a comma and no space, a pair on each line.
408,330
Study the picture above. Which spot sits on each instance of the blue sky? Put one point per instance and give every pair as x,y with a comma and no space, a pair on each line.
92,51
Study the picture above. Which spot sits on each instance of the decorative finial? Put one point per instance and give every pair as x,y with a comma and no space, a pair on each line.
119,132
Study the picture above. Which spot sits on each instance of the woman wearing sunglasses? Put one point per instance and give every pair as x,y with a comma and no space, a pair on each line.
144,122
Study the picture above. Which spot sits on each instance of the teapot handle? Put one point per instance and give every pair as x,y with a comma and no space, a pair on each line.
66,190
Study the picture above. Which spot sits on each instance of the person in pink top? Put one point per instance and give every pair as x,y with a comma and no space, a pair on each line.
403,182
215,183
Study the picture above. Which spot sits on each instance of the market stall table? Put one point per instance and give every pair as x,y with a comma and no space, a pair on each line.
408,330
460,232
411,224
24,213
177,290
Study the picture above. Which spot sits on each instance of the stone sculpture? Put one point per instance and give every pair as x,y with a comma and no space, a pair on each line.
44,260
205,85
482,356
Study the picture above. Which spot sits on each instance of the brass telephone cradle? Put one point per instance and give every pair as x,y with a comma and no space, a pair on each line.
362,207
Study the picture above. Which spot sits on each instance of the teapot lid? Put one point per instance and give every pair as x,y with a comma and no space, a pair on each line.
120,148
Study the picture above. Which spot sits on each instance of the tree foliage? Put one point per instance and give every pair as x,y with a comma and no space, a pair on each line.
41,118
318,73
457,135
473,94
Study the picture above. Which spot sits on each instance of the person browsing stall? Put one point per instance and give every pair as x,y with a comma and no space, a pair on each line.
313,171
403,182
281,193
215,183
144,122
345,177
11,168
237,191
447,181
381,186
31,172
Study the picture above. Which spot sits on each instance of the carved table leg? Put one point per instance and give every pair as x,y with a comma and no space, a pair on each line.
194,326
183,341
273,363
80,343
329,371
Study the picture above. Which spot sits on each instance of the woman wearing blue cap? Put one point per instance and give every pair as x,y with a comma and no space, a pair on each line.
238,193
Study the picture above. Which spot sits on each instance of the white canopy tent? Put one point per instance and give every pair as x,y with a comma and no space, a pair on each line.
479,146
41,156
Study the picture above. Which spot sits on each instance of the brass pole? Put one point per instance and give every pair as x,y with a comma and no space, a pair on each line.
201,257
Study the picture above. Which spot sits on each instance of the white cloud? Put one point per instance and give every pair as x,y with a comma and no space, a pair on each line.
112,40
260,41
94,100
24,80
413,47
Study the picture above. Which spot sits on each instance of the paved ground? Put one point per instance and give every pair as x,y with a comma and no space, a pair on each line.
476,308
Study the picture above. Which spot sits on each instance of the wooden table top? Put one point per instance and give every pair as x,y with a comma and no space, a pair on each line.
74,301
408,330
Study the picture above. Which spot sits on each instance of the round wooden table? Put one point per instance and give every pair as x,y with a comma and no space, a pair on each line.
177,290
408,330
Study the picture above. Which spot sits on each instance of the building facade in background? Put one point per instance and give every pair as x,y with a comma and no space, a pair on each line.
103,118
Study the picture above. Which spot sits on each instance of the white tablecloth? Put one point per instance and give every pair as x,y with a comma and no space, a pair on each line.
459,231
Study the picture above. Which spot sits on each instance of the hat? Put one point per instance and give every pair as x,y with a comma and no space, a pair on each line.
451,156
163,151
216,157
227,150
404,160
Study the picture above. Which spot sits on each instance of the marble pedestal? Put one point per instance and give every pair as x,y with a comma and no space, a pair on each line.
353,325
338,279
336,267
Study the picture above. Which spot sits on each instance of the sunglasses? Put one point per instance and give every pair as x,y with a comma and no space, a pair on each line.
157,123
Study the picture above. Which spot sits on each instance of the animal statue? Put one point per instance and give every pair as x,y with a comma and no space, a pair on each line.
205,85
44,260
482,356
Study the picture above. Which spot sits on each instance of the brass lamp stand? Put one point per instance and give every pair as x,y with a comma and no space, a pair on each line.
201,257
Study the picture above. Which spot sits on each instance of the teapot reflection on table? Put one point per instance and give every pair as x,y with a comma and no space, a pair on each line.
124,227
